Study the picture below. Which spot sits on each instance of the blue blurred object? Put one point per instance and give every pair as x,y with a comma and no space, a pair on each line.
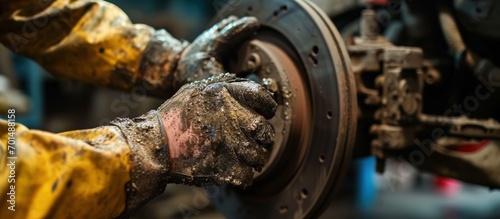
196,14
366,190
197,11
30,73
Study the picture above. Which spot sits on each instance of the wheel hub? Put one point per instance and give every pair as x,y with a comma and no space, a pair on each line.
299,56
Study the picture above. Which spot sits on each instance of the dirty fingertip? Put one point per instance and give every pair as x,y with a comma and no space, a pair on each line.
252,95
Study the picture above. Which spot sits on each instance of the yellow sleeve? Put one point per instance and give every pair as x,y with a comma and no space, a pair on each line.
90,41
56,176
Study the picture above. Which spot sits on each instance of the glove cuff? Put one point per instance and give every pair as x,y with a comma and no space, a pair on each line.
159,62
150,158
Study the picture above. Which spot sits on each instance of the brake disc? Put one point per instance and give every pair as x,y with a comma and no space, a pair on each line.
300,57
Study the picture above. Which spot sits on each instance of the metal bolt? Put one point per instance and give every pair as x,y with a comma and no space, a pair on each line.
270,84
254,62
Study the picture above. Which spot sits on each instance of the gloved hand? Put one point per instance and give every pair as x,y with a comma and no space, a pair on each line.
213,131
200,59
217,131
168,63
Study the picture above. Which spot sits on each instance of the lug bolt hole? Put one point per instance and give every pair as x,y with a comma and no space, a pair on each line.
303,194
283,209
284,8
315,50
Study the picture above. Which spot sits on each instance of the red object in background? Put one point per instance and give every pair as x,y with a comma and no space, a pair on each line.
470,148
449,186
377,2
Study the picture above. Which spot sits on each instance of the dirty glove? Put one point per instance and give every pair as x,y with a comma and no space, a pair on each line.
217,131
200,59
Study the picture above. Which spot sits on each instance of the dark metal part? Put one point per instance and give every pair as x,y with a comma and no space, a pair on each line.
369,25
390,83
480,167
396,91
464,126
307,67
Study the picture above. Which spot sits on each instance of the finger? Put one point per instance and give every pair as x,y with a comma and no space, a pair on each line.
257,128
254,96
222,24
247,150
250,153
215,81
198,69
204,43
232,171
233,34
211,68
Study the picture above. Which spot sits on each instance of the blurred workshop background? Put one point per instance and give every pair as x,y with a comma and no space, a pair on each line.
57,105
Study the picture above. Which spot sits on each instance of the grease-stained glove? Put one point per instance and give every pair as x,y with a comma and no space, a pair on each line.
200,59
217,131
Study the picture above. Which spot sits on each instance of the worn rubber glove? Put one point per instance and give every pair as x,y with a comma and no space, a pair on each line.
200,59
213,131
217,131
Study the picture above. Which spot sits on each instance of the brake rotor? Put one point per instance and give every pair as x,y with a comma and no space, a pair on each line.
300,57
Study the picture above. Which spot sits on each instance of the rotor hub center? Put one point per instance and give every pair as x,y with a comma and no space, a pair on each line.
270,61
298,55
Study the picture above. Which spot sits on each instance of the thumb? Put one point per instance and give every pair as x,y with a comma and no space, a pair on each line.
234,34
